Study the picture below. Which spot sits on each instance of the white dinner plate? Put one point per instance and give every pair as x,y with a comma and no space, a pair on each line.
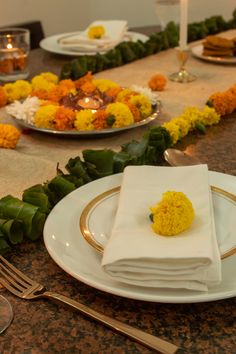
197,52
68,248
51,44
98,216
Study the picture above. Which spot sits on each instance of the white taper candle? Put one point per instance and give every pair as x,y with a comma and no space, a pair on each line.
183,29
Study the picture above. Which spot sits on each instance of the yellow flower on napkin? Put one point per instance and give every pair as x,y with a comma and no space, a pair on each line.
173,214
96,32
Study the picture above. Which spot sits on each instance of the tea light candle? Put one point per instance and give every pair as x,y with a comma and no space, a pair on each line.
89,102
14,49
183,31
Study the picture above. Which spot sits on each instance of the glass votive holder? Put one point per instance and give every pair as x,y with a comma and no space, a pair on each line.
14,53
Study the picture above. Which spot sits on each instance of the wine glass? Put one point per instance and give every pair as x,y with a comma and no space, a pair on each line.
167,11
6,313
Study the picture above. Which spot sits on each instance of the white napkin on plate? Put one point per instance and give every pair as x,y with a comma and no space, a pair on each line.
136,255
114,32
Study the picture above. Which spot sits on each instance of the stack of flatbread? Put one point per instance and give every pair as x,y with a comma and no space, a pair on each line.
217,46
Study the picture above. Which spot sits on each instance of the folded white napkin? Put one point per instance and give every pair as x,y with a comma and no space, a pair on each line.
114,32
135,254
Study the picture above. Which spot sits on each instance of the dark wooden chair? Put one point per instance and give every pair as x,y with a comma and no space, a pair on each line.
36,32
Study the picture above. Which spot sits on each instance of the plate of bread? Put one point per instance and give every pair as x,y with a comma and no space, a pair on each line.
216,49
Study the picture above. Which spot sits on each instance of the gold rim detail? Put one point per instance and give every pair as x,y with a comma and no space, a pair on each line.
89,207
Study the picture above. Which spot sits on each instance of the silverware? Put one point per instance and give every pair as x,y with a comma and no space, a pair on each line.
179,158
22,286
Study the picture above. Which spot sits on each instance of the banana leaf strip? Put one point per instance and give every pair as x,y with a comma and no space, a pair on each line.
13,230
78,168
36,195
32,219
58,188
4,246
126,52
99,163
121,160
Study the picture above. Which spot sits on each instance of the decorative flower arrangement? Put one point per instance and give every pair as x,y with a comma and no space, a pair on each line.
84,104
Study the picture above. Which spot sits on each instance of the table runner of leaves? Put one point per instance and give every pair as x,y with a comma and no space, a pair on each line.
126,52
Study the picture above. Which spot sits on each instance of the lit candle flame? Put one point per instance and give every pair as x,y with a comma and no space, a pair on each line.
9,46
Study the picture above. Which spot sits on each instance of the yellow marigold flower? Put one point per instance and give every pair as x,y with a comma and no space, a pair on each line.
84,120
143,103
104,84
3,97
96,32
209,116
50,77
183,124
125,94
44,117
121,114
40,83
192,115
9,136
17,90
174,131
173,214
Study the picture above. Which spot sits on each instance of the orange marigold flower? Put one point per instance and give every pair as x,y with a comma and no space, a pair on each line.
41,94
157,82
135,111
88,87
100,119
67,83
56,93
9,136
113,92
64,118
223,102
86,78
3,97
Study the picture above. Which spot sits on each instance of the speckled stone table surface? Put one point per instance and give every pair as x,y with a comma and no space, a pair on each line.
42,326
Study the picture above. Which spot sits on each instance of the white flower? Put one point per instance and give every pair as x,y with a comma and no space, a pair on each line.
153,97
24,110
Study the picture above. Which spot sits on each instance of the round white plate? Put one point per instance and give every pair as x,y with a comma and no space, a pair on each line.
197,52
98,216
51,44
73,254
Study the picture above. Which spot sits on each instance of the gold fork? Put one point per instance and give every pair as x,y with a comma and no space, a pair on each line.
22,286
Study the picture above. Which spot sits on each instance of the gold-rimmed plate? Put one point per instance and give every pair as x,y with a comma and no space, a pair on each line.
96,231
51,44
69,249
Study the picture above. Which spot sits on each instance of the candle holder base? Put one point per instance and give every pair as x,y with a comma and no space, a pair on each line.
182,75
14,76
